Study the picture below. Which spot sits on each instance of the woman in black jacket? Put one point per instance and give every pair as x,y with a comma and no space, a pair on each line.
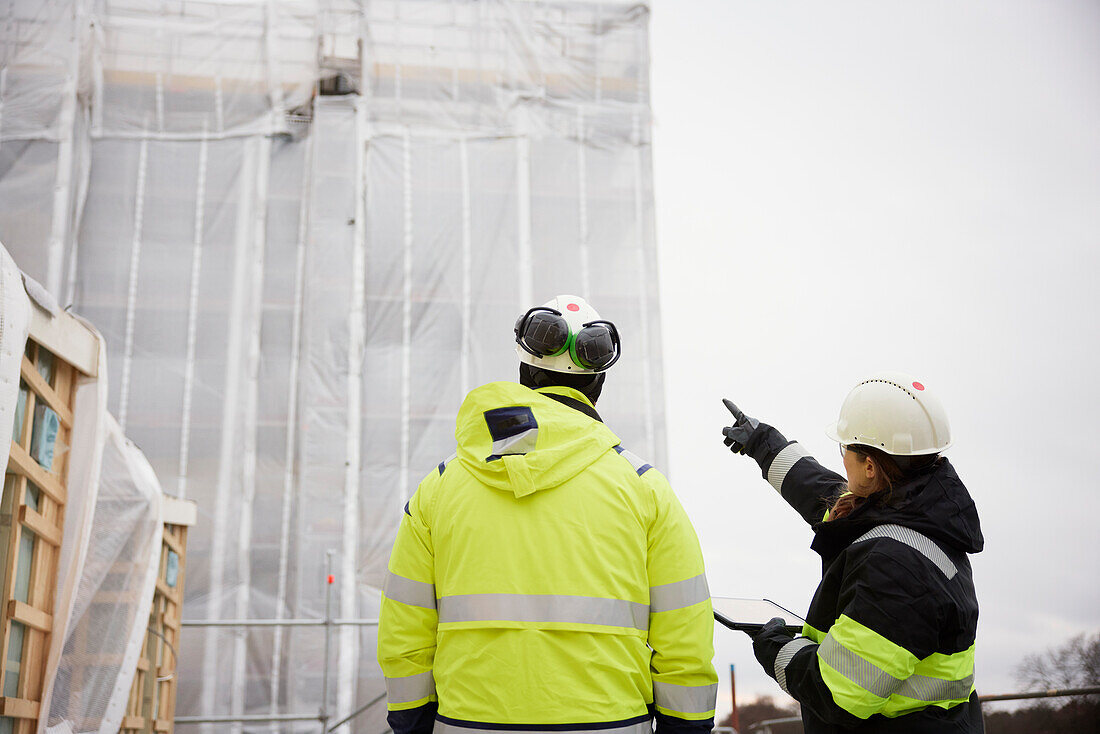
888,644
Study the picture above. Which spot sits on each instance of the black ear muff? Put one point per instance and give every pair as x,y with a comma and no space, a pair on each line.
542,332
596,346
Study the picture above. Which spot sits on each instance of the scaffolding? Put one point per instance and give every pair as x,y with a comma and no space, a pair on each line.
305,228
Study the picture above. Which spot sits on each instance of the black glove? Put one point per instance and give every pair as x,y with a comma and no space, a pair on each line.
767,643
738,435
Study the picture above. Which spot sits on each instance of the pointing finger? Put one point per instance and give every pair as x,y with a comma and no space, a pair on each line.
734,409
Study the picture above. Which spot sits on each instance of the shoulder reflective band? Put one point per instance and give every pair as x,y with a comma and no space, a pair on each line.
639,465
443,464
783,659
637,725
410,688
513,430
877,681
666,597
407,591
685,699
782,464
546,608
920,543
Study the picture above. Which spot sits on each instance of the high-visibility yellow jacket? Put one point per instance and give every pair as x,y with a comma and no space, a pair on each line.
545,576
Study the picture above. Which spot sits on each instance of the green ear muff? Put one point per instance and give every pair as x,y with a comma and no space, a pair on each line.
573,351
596,346
543,332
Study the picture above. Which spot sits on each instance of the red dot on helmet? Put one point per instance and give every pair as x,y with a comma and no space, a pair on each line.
918,386
573,307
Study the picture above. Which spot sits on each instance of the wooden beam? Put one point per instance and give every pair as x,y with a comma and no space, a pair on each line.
171,621
28,615
168,592
22,463
67,338
43,389
41,527
133,722
172,542
19,708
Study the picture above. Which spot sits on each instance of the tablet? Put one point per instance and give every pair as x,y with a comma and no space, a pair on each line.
749,615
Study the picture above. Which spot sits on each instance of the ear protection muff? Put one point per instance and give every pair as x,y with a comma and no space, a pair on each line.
544,332
596,346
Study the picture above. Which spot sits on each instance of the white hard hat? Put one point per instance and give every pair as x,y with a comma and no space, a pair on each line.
565,334
893,412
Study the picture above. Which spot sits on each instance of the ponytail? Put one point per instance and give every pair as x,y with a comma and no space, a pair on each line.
890,471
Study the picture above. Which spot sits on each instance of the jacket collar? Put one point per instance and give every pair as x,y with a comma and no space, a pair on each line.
934,502
573,398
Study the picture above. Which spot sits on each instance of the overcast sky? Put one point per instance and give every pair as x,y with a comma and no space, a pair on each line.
850,186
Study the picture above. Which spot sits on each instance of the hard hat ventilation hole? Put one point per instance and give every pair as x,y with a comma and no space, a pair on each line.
906,390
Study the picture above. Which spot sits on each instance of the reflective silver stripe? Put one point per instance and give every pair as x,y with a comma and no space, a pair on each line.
407,591
917,541
543,608
642,727
443,464
411,688
783,659
863,673
685,699
782,464
666,597
520,443
923,688
639,464
874,679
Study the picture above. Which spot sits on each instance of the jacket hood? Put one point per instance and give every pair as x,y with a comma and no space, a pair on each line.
520,441
935,502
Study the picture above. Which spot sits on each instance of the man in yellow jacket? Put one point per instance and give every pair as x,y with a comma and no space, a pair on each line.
543,577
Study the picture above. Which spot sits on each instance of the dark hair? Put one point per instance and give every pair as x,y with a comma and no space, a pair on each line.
891,470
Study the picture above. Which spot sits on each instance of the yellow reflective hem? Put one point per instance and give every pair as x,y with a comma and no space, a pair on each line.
899,705
950,667
683,715
862,688
814,634
877,650
857,701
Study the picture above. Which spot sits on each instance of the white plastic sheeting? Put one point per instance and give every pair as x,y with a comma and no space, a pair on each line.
114,596
15,314
110,547
293,318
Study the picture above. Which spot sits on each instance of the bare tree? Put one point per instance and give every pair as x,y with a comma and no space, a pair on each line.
1076,664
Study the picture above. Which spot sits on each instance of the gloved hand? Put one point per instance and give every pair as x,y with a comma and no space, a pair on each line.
767,643
738,435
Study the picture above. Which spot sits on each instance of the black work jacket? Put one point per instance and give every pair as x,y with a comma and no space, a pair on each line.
894,589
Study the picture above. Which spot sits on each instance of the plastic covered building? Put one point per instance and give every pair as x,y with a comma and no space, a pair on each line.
305,229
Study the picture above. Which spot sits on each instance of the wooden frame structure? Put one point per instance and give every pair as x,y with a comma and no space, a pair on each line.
32,512
152,704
